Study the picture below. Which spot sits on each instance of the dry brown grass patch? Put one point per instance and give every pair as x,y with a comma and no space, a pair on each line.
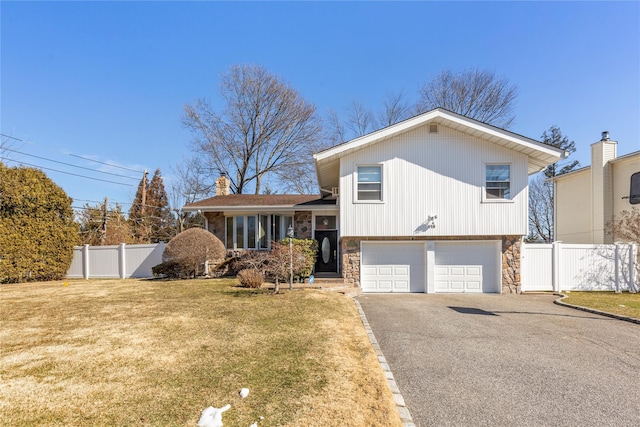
128,352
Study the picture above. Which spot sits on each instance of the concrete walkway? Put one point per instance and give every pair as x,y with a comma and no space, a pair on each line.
507,360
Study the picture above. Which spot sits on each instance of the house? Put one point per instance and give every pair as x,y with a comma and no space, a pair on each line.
587,199
436,203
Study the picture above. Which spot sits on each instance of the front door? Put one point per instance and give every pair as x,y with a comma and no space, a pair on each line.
327,258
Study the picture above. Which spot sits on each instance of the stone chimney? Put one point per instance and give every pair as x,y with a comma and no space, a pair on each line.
223,185
602,152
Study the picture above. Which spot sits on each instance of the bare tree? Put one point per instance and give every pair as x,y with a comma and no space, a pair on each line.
541,192
474,93
189,185
100,225
337,132
395,109
626,227
541,208
360,119
264,127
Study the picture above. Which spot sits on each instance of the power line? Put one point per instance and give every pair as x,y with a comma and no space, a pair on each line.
104,163
69,164
74,155
68,173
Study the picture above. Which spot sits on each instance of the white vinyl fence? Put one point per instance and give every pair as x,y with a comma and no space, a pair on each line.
567,267
120,261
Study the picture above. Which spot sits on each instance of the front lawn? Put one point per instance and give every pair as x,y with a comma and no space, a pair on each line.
624,304
130,352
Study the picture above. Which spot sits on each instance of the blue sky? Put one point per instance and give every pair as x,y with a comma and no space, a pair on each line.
108,80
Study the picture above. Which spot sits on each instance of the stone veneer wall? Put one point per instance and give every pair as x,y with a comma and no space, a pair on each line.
302,225
511,262
216,224
511,246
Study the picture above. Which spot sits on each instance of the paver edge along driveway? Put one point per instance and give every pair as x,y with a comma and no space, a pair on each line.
507,360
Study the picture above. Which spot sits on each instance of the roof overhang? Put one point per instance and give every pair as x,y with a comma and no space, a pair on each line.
262,203
540,155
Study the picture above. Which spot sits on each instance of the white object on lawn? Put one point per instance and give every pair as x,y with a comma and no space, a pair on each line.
212,417
244,392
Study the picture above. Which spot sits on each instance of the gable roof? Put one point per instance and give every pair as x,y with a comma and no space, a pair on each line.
327,162
260,202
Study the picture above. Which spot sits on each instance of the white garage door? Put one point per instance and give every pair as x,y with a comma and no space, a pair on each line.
392,267
467,266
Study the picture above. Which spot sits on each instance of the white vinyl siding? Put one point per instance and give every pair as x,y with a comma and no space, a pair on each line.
430,175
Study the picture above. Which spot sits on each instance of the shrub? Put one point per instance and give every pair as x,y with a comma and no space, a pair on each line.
190,250
304,256
37,229
250,278
172,269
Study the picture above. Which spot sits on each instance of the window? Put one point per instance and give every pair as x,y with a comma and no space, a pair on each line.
255,231
369,183
498,182
240,232
251,232
634,190
325,222
229,232
262,234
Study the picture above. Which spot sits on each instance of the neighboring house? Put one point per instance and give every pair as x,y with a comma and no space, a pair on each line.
587,199
436,203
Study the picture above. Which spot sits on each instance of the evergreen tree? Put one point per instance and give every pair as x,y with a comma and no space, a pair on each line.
554,137
541,191
150,216
37,230
161,220
137,213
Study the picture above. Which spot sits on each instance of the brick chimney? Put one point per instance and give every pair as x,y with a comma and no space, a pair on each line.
223,185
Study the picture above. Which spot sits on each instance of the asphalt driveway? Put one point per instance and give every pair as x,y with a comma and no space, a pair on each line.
507,360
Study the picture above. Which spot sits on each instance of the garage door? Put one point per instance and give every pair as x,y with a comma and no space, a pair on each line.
392,267
467,267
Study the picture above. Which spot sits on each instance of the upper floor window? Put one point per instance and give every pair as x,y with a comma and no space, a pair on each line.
369,183
498,182
634,190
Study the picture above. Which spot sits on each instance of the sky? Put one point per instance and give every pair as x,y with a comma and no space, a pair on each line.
102,85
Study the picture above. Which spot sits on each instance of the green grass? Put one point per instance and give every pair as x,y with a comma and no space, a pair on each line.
129,352
624,304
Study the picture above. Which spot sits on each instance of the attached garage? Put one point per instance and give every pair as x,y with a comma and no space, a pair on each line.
431,266
392,267
467,266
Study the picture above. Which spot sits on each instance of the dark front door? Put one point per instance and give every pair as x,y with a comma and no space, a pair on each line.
326,261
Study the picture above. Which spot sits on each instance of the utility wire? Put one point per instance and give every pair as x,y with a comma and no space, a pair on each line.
74,155
69,164
104,163
68,173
